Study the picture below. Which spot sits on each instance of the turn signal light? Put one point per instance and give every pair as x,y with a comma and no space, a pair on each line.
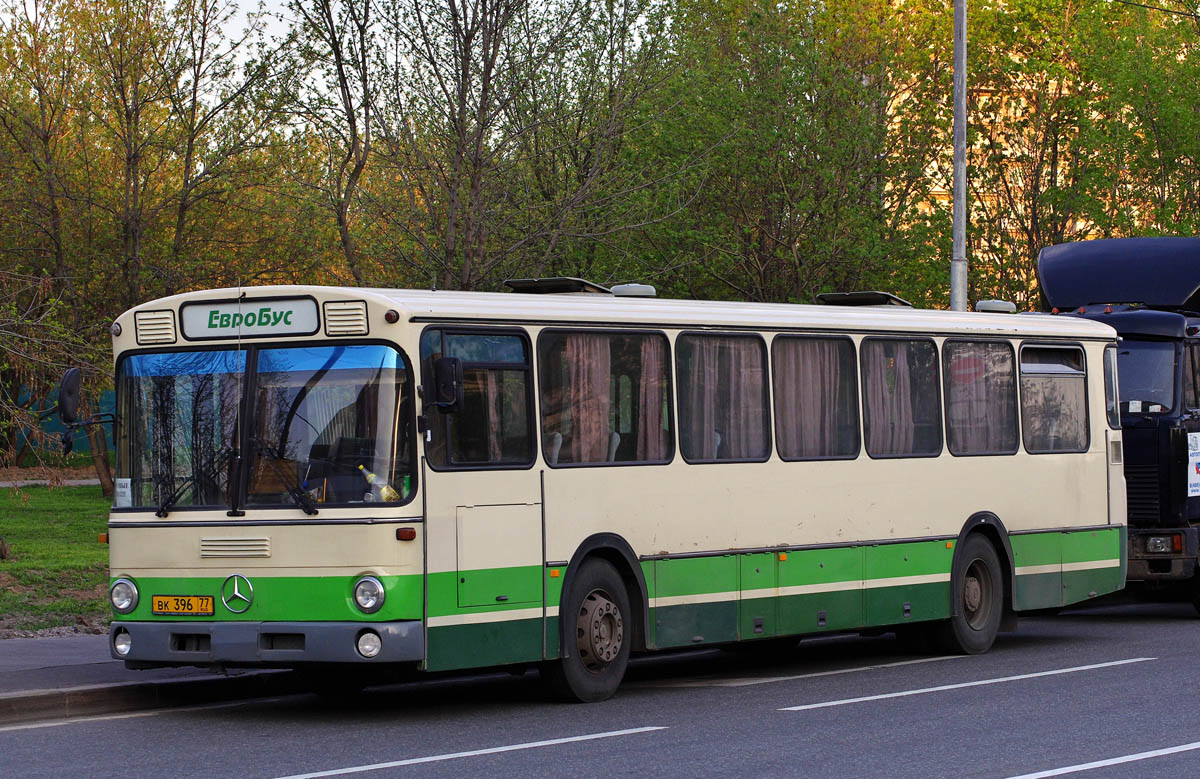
406,533
102,538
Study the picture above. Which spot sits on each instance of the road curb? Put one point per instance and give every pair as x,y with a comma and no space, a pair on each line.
29,706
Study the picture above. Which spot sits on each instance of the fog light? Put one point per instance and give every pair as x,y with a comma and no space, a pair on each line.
124,595
122,643
369,594
1158,544
369,643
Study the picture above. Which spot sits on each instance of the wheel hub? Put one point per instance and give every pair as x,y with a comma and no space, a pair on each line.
600,631
972,594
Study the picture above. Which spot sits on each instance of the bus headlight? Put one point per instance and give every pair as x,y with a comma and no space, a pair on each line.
369,643
122,642
368,594
124,595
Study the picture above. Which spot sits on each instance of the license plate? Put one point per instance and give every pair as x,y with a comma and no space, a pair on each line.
196,605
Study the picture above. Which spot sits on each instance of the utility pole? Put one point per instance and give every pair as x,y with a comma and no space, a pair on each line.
958,259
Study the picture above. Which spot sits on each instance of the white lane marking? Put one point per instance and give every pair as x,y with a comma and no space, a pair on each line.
979,683
1071,769
473,753
132,715
751,680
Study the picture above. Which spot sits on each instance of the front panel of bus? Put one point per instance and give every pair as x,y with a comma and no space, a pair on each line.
264,511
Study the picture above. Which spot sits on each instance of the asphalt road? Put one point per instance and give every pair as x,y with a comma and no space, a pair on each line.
1113,685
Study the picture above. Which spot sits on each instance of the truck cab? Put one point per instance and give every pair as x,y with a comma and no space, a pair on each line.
1148,290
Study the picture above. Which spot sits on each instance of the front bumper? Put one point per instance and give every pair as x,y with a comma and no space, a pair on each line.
264,644
1150,566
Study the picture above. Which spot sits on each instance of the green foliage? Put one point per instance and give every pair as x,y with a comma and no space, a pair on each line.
57,572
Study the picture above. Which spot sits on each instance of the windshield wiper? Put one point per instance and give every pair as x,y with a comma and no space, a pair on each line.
290,482
166,506
190,482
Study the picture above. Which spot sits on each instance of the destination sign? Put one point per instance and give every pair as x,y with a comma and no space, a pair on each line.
250,318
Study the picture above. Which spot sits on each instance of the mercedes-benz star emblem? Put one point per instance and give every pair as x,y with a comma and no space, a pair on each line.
237,593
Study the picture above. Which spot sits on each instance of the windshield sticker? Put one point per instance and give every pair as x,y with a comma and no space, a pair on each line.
250,318
1135,407
1193,465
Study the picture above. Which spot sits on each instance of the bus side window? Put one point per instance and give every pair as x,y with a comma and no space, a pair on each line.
493,428
816,397
1053,399
981,397
901,398
723,406
605,398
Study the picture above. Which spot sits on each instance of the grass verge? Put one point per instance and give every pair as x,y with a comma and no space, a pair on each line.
55,574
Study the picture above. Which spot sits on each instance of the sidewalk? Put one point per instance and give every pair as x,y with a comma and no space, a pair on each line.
74,676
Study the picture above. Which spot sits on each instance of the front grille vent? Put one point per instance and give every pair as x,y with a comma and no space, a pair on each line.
235,547
154,327
1115,455
346,317
1141,491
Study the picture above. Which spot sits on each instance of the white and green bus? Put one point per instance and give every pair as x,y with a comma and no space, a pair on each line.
364,480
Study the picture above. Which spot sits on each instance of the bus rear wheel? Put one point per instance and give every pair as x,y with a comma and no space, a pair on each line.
978,592
597,635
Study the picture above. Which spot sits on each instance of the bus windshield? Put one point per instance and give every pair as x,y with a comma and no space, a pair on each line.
1146,372
327,425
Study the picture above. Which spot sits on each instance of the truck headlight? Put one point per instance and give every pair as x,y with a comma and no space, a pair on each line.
124,595
1164,544
369,594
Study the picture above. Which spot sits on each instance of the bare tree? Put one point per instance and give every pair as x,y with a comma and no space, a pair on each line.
335,40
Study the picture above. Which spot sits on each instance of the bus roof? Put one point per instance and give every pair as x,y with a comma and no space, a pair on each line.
602,309
1157,272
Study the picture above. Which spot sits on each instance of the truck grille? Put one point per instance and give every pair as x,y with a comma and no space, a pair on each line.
1141,490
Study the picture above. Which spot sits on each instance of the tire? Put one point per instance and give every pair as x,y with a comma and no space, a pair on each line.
977,592
597,634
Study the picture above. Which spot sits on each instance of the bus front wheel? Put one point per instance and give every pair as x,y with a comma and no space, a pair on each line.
978,591
597,635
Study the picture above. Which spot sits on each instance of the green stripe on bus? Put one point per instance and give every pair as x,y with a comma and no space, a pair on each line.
284,599
1087,545
1036,549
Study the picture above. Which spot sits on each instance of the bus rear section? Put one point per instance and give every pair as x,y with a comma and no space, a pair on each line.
1146,289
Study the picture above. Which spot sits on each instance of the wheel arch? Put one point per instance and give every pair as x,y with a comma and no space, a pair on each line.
988,525
617,551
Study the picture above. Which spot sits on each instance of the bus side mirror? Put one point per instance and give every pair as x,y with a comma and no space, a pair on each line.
68,399
448,384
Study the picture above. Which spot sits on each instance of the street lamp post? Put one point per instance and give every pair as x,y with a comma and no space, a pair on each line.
958,259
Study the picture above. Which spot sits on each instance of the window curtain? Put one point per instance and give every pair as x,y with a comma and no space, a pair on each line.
588,378
723,390
494,414
890,422
651,430
981,403
807,380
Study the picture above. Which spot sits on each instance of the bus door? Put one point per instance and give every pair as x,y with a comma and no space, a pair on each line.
483,507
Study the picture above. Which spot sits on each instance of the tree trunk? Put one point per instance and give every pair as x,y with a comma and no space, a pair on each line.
99,446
